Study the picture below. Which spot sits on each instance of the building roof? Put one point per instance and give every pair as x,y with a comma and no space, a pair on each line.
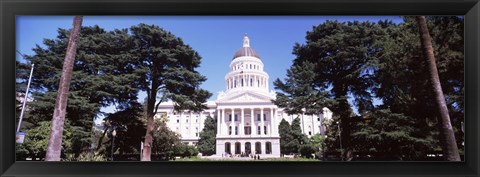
246,50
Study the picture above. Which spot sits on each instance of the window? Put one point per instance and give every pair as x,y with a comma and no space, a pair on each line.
196,120
268,148
248,130
318,119
258,130
309,132
258,117
229,117
265,130
264,117
258,149
196,134
236,130
229,130
178,120
236,117
186,120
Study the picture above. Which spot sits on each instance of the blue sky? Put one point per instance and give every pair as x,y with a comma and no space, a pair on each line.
215,38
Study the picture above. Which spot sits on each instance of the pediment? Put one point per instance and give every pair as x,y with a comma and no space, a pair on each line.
245,97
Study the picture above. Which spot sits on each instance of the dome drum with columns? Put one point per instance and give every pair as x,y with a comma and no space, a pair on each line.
247,120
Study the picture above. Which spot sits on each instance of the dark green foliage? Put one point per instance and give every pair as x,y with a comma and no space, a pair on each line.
36,141
403,60
185,151
129,127
390,136
336,61
317,142
291,137
166,68
165,142
101,76
284,130
110,68
363,60
306,150
207,142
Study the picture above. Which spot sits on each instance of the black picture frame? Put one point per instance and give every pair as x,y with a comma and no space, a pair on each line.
9,9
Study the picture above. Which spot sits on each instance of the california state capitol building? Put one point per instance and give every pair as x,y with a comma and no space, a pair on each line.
247,120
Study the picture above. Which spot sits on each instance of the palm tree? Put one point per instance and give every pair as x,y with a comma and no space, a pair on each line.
55,142
447,139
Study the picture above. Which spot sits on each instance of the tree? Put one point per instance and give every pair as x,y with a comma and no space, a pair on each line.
55,141
448,141
389,136
165,141
318,144
207,142
102,76
166,67
339,58
404,59
36,142
285,132
129,127
298,138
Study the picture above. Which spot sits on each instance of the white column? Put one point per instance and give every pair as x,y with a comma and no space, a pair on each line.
275,125
242,147
252,123
313,124
242,124
224,123
232,125
303,123
263,148
271,121
219,122
262,123
181,122
191,131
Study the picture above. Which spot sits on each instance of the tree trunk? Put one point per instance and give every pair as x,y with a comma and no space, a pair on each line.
151,95
447,139
54,148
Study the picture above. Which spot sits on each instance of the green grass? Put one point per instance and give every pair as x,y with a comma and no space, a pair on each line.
195,158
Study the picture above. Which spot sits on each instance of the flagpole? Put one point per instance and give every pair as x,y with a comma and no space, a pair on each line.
25,99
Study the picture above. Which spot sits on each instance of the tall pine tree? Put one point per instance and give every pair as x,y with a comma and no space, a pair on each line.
166,66
207,142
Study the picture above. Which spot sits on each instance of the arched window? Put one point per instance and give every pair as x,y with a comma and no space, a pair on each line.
237,148
227,148
248,148
268,148
258,149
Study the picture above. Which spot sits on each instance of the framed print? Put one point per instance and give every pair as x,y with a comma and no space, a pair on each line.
239,88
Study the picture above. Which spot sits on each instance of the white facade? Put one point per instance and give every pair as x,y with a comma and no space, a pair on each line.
247,120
